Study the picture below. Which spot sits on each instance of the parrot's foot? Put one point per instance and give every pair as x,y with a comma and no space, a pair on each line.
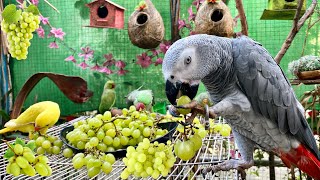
239,165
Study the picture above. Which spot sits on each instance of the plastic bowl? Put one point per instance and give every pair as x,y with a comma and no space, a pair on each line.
170,126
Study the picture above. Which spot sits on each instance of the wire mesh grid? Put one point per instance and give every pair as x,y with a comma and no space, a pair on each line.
215,149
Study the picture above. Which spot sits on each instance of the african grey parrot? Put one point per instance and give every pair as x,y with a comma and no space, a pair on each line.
250,91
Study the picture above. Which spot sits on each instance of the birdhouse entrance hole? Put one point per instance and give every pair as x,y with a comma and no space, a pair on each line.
217,15
142,18
289,0
102,12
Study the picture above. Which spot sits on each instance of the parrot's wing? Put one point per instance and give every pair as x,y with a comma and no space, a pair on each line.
269,91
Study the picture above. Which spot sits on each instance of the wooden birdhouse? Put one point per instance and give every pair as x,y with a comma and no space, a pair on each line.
282,9
106,14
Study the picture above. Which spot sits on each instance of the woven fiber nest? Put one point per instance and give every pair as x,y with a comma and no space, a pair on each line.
145,27
214,19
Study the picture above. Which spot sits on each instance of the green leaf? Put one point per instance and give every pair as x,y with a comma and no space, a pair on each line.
9,153
20,141
4,115
10,14
31,145
33,9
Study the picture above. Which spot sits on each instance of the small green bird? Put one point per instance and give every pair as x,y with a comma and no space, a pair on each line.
108,97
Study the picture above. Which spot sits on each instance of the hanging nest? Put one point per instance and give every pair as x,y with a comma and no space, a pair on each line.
214,19
145,27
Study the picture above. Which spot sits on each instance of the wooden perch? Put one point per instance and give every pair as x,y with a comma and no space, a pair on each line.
243,19
296,26
75,88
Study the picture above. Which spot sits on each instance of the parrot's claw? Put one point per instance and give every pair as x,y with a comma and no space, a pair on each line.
239,165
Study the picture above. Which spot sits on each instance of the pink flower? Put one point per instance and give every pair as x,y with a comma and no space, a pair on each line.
44,20
122,72
83,65
158,61
164,47
87,53
144,60
40,32
96,67
70,58
120,64
58,33
192,16
197,3
53,45
108,56
35,2
105,70
154,52
181,23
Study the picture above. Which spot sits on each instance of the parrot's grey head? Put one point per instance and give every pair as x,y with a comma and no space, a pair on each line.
188,61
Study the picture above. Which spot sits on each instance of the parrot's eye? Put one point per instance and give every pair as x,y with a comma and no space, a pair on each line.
187,60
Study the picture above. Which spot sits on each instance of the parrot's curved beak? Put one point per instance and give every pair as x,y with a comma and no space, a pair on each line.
174,91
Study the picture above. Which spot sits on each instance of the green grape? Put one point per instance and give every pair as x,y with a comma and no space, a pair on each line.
18,149
29,171
126,132
22,162
124,111
143,117
116,142
182,101
142,158
132,108
165,172
135,114
106,167
225,132
78,155
102,147
41,150
136,134
29,156
132,142
125,174
110,158
146,132
52,139
78,162
202,133
43,159
87,158
41,169
100,135
149,170
155,174
27,19
110,149
93,171
94,141
80,145
8,168
12,26
107,140
124,140
185,150
107,116
149,123
11,160
138,167
40,140
58,143
48,169
55,150
197,141
111,132
67,152
15,169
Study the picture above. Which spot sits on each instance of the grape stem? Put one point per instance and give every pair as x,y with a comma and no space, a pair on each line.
9,145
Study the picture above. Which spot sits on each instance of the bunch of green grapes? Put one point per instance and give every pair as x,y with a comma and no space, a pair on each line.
107,133
94,163
48,144
187,149
19,34
24,161
148,159
195,127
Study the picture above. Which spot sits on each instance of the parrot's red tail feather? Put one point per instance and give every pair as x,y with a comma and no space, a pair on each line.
302,158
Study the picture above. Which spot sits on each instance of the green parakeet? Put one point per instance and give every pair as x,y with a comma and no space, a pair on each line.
108,97
141,96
